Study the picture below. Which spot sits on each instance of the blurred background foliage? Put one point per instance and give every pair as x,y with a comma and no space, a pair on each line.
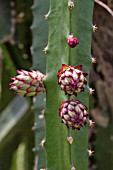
16,113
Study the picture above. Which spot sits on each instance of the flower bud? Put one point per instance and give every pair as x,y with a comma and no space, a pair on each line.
72,41
28,83
72,79
73,114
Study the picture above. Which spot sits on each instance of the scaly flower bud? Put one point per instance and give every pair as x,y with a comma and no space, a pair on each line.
72,41
28,83
72,79
73,114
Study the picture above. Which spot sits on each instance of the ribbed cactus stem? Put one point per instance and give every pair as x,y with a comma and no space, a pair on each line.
40,35
69,23
57,146
62,21
82,27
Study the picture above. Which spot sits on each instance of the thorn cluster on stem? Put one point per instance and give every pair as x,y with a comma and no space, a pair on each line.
42,143
91,91
70,140
90,152
95,28
93,60
71,4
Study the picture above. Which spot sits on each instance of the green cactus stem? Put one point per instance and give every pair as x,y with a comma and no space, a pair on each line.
40,35
57,147
82,27
62,22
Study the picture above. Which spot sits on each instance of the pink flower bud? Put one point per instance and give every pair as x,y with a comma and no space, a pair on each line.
72,41
72,79
73,114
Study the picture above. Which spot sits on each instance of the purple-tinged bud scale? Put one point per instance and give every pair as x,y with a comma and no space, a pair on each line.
73,114
72,41
72,79
28,83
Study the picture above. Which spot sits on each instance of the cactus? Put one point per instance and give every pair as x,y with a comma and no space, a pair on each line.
40,33
82,28
61,22
65,148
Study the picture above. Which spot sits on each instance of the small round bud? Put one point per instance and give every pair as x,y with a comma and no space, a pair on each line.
72,79
73,114
72,41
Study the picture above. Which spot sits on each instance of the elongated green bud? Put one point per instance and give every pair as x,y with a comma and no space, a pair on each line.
28,83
